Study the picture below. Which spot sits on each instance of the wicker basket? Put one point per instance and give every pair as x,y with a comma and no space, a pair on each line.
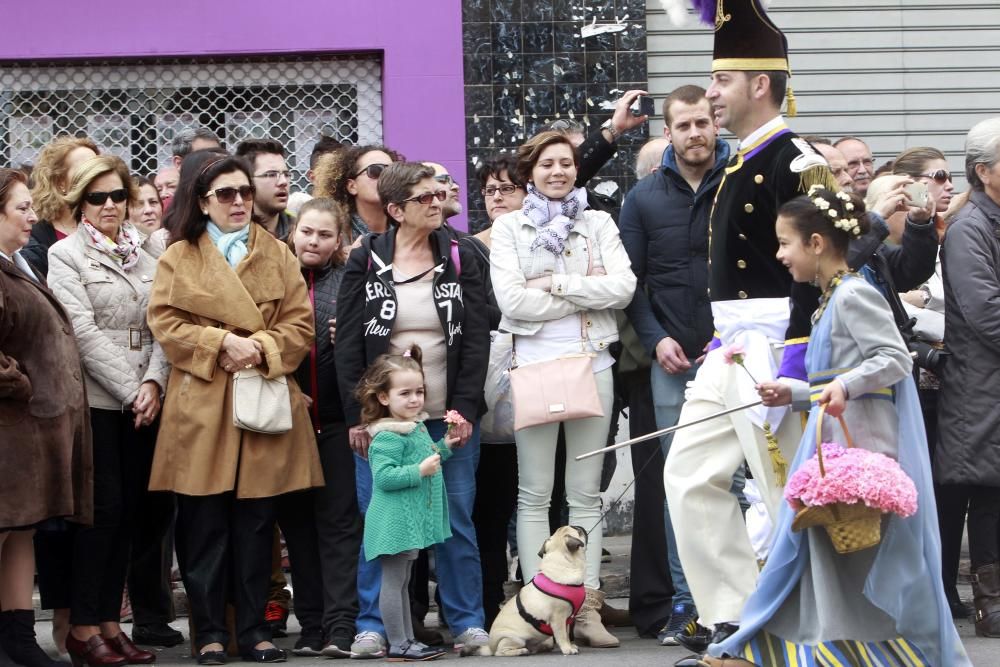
851,527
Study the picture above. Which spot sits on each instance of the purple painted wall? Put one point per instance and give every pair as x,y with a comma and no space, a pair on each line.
423,108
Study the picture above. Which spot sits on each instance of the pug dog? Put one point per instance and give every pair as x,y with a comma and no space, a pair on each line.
543,611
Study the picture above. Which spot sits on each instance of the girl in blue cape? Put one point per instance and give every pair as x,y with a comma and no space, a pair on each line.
885,605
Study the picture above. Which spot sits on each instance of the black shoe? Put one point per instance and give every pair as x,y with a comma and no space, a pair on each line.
339,646
723,631
17,637
694,638
413,651
272,654
960,610
277,617
212,658
156,634
311,645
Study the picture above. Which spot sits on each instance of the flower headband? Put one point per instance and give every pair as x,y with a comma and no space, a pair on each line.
849,225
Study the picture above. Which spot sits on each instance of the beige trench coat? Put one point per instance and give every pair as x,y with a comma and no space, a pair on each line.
196,300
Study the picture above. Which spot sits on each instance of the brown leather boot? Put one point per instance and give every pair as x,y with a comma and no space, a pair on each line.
614,617
986,594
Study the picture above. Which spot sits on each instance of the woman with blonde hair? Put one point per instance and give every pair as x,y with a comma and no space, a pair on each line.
102,276
51,177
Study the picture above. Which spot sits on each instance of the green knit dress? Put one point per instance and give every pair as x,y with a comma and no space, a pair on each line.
407,511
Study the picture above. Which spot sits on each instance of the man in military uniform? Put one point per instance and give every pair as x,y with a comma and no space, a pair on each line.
749,289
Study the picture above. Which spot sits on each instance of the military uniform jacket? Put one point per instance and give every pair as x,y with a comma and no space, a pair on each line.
758,180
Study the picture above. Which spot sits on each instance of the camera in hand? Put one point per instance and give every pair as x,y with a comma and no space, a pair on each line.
929,356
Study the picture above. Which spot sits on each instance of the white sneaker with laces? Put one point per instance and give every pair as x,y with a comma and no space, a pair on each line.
470,641
367,645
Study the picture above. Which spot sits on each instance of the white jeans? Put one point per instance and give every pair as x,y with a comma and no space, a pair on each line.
536,455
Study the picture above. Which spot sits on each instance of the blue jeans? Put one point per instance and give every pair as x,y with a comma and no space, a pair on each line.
668,397
459,573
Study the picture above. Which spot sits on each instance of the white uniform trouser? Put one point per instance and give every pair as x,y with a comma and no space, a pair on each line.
712,541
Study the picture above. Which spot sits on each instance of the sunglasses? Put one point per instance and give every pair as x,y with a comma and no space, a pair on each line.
940,176
427,197
98,198
505,189
228,195
444,179
373,171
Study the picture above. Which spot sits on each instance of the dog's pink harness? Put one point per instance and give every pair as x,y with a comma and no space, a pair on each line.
574,594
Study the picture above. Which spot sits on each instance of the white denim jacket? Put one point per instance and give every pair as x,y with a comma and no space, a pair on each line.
593,242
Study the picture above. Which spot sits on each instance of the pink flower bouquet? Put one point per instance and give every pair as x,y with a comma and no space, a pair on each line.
853,475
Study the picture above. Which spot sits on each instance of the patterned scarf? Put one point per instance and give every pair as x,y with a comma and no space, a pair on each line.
233,245
553,230
124,249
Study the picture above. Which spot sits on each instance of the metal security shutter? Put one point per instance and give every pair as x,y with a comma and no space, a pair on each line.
134,109
898,73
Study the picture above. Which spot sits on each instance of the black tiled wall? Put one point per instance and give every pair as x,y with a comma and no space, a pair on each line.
526,64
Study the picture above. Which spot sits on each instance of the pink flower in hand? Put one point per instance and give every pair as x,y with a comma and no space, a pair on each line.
733,354
453,418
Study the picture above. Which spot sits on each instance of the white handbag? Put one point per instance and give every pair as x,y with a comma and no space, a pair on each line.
260,404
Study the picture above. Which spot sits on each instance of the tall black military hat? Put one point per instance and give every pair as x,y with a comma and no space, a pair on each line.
745,38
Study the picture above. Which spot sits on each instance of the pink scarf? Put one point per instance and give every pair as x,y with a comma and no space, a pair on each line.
124,250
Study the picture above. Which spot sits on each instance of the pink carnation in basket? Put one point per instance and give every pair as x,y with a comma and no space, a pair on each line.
453,418
853,475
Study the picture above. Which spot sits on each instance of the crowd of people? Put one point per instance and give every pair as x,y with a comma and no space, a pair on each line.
202,364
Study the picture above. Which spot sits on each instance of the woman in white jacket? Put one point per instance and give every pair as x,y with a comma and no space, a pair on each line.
559,271
102,275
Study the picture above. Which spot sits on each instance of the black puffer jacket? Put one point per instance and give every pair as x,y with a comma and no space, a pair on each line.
664,227
327,407
366,314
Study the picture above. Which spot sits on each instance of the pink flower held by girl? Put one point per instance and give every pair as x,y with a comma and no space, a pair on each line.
453,418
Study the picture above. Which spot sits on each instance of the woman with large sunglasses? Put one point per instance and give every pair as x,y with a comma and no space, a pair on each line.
926,305
228,296
102,276
414,284
350,176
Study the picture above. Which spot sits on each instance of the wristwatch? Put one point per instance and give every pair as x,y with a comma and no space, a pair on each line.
607,125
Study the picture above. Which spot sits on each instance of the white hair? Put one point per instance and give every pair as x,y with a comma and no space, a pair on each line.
982,146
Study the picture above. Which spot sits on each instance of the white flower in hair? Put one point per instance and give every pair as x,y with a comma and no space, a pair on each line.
848,206
813,189
843,196
821,203
832,213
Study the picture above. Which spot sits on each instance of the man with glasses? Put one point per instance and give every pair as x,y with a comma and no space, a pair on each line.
860,163
271,178
451,206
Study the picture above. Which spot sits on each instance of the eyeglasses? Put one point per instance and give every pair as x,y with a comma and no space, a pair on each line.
444,179
427,197
274,175
505,189
98,198
373,171
940,176
228,195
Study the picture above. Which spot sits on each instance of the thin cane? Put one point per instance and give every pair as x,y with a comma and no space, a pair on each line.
665,431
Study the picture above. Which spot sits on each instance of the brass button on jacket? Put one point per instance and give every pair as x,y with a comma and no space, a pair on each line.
742,294
748,208
741,264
